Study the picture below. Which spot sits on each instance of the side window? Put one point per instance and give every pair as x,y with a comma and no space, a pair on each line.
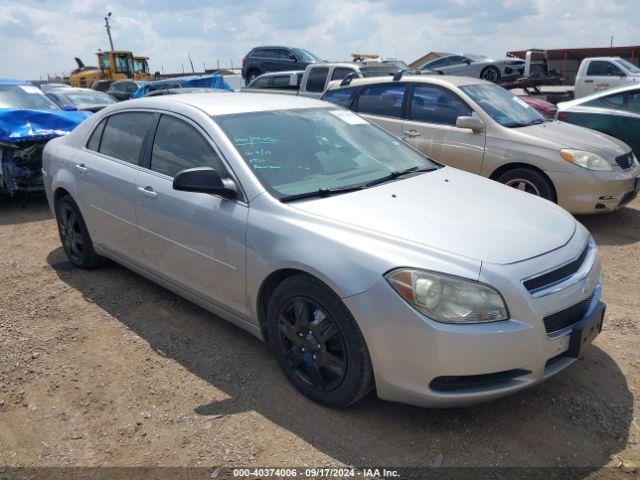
441,62
341,96
262,82
340,72
94,140
456,60
384,100
616,100
177,146
281,81
633,100
433,104
600,68
123,135
317,79
258,53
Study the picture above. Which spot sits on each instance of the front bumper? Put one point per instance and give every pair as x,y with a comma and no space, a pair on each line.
585,191
414,357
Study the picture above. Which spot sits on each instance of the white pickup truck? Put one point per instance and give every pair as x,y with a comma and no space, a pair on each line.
316,78
602,73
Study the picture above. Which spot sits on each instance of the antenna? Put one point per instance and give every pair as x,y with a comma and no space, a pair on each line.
108,27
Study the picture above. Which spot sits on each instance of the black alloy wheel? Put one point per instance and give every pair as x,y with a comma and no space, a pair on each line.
312,343
317,342
74,235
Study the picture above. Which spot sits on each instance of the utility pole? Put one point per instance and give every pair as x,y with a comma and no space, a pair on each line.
106,25
611,44
192,69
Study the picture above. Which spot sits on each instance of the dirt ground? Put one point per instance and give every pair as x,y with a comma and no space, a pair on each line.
104,368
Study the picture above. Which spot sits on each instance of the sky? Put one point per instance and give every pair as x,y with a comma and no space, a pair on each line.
40,37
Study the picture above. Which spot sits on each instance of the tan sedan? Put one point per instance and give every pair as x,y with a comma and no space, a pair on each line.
482,128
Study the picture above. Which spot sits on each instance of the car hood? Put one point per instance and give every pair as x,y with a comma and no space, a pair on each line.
24,125
453,211
561,135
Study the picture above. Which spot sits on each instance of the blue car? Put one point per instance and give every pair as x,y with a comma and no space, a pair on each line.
28,120
195,81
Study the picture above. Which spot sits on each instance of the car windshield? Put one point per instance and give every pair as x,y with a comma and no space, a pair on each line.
306,56
628,65
398,63
503,106
88,98
294,152
25,97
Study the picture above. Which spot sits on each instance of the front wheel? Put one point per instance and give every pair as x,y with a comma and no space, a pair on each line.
530,181
74,235
491,74
317,343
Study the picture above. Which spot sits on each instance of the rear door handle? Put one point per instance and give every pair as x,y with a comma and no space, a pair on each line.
588,81
411,133
81,168
147,192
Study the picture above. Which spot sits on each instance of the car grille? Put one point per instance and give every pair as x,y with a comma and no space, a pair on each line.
625,161
557,275
567,317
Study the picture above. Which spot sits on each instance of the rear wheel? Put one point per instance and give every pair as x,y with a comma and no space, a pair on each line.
530,181
74,235
491,74
252,76
317,342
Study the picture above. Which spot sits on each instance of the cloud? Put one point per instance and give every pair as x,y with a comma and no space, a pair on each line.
42,36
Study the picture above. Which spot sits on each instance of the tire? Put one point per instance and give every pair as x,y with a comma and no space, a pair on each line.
251,76
74,235
530,181
491,74
317,342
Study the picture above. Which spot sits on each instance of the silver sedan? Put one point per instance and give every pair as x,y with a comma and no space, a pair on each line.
363,263
476,66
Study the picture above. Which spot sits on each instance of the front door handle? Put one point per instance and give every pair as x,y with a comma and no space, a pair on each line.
81,167
411,133
147,192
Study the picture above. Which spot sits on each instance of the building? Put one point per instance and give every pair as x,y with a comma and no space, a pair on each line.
425,58
567,60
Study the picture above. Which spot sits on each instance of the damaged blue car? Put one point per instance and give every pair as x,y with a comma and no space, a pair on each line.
28,120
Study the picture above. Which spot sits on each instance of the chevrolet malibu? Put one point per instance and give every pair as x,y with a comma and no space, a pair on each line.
364,264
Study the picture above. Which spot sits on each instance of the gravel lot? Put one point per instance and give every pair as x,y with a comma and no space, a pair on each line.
104,368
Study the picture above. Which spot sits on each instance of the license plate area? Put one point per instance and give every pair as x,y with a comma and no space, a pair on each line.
585,331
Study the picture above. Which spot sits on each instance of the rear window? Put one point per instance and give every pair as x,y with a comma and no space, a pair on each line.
340,72
341,96
317,79
384,100
123,135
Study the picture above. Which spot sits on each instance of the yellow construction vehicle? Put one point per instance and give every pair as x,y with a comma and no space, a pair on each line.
141,68
112,65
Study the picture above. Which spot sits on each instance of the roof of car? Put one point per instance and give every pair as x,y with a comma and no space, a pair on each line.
286,72
67,89
444,80
600,94
9,81
233,102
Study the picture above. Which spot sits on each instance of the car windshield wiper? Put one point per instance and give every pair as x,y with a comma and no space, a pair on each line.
397,174
523,124
322,192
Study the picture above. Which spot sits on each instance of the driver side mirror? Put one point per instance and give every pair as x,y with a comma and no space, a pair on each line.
472,123
67,107
204,180
467,61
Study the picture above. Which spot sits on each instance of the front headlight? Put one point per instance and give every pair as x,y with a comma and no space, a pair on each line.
446,298
587,160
